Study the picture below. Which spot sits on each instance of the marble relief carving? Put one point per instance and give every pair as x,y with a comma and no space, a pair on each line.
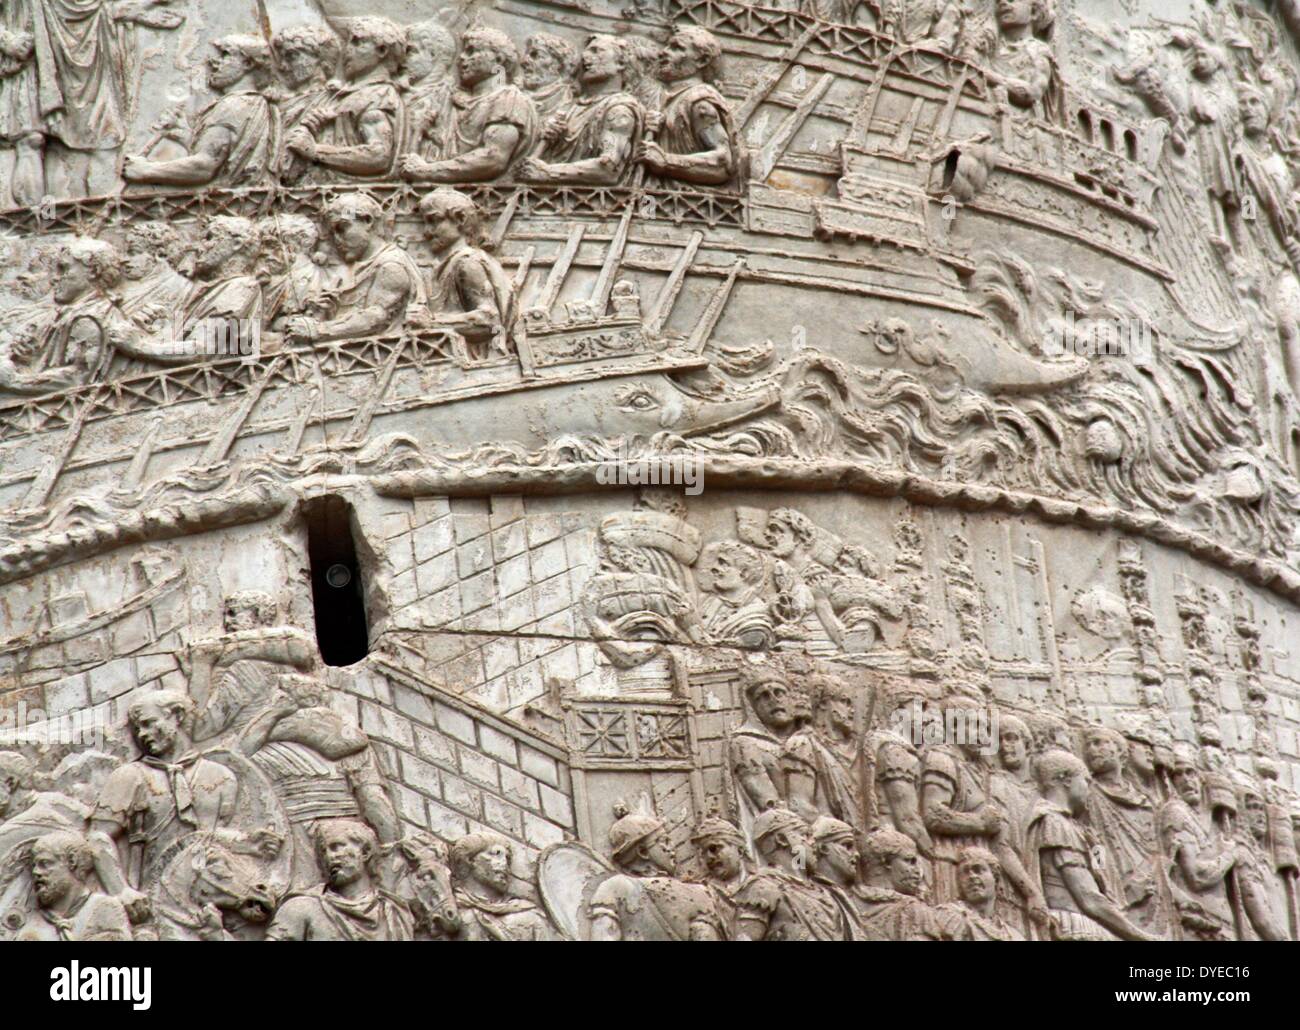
668,470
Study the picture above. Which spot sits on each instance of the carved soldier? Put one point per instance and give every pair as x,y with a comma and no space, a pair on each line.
350,905
224,303
820,759
756,745
837,863
308,60
1024,65
380,280
976,913
1062,857
835,855
721,848
62,867
779,902
960,811
1146,756
27,815
235,140
492,122
1200,856
480,869
471,291
1011,782
733,607
890,899
76,344
428,77
1278,839
1125,820
892,772
643,901
355,133
545,73
1263,893
593,141
1049,732
695,137
166,794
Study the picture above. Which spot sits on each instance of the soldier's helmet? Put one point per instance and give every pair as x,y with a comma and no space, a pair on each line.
714,828
631,829
778,820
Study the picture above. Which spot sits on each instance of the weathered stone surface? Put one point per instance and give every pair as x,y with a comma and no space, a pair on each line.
667,469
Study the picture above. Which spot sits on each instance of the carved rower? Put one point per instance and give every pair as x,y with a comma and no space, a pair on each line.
355,132
593,141
696,139
471,291
545,73
491,124
426,84
70,349
235,140
226,297
308,59
381,281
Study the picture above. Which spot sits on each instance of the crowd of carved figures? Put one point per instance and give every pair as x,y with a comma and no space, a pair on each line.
376,101
248,809
373,101
280,281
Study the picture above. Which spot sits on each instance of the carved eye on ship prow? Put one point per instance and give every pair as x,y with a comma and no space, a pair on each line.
638,397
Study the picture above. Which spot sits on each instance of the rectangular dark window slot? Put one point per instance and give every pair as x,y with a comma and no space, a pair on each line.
336,589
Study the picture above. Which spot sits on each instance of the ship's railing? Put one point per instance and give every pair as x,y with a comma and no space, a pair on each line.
215,378
1093,127
825,38
91,215
552,345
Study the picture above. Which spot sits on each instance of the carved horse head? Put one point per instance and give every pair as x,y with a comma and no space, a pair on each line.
430,878
209,874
